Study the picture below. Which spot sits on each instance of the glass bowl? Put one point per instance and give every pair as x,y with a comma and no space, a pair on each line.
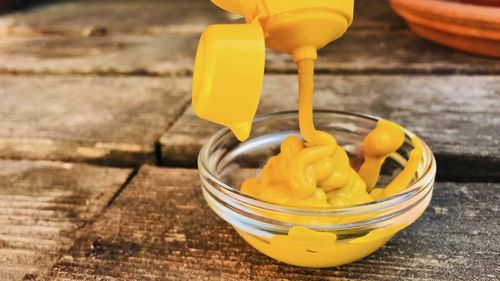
302,236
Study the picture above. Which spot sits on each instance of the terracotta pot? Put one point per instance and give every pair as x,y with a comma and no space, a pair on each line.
482,2
464,26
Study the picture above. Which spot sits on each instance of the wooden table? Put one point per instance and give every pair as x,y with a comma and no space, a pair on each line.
96,126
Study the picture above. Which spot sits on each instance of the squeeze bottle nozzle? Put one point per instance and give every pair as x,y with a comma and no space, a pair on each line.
229,65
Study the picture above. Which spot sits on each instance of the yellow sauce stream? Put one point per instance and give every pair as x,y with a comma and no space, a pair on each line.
317,172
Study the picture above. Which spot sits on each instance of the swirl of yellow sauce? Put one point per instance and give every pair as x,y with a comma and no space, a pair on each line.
316,172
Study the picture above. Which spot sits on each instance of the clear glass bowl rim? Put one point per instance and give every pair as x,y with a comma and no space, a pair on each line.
421,185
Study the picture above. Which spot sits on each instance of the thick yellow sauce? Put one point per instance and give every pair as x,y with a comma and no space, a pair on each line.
316,172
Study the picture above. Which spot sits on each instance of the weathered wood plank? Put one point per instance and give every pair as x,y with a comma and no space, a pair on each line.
115,16
392,51
375,14
161,228
42,204
161,37
364,51
458,116
76,18
154,54
101,120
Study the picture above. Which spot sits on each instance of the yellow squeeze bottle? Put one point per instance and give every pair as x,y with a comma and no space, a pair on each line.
314,172
229,65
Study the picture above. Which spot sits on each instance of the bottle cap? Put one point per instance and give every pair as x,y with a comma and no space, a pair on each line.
228,75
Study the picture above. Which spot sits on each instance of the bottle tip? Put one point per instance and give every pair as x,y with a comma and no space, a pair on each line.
241,130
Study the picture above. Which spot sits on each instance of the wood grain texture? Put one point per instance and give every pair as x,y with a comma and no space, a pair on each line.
160,228
160,38
397,51
458,116
42,204
168,54
75,18
110,120
365,51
